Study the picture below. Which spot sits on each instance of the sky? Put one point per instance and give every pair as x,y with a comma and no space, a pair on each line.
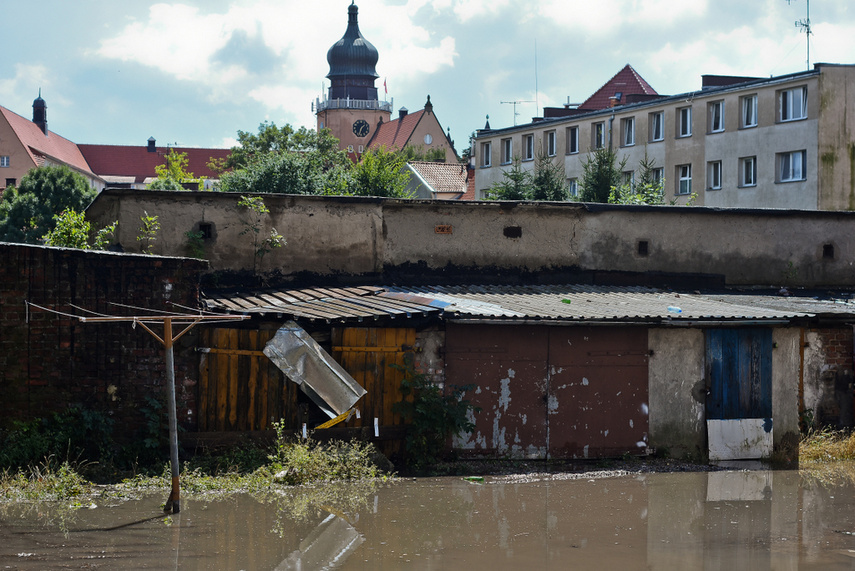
194,73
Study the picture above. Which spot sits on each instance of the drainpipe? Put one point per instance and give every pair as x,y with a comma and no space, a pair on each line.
611,120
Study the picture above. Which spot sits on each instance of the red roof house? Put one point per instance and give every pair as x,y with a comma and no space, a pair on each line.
626,85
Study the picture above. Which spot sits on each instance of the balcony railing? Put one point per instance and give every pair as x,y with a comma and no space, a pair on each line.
374,105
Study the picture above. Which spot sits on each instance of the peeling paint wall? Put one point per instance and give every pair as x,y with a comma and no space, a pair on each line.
368,236
677,392
785,392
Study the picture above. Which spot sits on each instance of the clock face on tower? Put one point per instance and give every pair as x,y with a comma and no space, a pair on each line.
361,128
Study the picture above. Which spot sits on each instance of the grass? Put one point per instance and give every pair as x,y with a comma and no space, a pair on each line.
50,480
827,446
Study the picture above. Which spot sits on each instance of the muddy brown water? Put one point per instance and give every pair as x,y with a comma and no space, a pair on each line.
717,520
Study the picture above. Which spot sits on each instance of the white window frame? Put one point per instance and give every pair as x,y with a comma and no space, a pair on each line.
658,175
749,111
4,161
486,154
507,151
657,126
792,104
716,116
628,178
684,122
572,140
528,147
628,128
684,179
748,171
791,166
551,144
573,186
599,135
714,175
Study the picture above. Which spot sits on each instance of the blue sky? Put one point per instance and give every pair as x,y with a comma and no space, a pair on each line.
196,72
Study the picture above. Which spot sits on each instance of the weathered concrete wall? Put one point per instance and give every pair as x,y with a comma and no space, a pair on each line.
363,236
677,392
785,392
828,376
51,362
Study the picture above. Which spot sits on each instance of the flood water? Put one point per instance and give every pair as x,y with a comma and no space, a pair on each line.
718,520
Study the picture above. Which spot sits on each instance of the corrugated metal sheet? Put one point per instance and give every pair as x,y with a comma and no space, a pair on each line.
592,303
574,302
327,304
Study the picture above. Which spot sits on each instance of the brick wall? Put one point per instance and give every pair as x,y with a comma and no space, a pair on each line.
49,362
833,383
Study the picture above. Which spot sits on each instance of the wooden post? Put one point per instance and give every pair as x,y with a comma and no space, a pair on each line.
173,503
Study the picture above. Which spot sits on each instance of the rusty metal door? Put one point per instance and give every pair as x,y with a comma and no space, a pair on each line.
366,353
598,390
239,387
508,366
552,392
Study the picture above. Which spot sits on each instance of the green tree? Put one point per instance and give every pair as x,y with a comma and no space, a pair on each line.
380,172
174,174
647,189
72,231
27,212
252,224
516,184
148,232
548,182
601,172
271,139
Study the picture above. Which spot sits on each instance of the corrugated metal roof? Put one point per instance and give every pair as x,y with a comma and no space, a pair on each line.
327,304
582,303
591,303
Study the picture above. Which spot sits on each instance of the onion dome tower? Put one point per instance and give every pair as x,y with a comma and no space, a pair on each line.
352,62
40,113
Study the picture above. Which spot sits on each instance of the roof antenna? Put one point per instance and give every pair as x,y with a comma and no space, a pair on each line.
805,27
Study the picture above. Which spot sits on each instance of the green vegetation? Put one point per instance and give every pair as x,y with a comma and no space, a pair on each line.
28,212
435,416
601,173
646,190
195,244
255,210
148,232
174,174
380,172
72,231
546,182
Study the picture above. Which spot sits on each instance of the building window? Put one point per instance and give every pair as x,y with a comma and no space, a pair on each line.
486,154
573,187
550,143
361,149
748,171
684,179
684,122
528,147
749,111
793,104
507,151
791,166
716,113
627,127
658,175
628,179
10,182
4,161
572,140
714,175
599,135
350,148
657,130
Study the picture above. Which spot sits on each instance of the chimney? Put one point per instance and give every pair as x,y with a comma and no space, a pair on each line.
151,146
402,112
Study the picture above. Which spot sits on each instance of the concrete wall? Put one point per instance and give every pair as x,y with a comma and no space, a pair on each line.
785,392
828,376
366,236
677,392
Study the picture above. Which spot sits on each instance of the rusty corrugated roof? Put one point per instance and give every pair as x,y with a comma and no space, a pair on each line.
573,302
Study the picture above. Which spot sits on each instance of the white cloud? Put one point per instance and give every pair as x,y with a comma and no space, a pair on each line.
19,91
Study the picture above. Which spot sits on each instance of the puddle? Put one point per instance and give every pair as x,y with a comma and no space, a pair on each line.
717,520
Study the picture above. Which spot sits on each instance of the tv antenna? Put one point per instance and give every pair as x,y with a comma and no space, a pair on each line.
804,26
515,103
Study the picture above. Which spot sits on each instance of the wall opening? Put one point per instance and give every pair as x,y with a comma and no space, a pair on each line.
828,251
642,248
513,232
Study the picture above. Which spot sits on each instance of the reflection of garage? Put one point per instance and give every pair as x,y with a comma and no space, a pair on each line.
552,392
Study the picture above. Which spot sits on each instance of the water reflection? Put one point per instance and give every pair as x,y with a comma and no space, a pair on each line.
719,520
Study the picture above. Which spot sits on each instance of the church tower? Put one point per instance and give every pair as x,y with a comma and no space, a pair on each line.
351,109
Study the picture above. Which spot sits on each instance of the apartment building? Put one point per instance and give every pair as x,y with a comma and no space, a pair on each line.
778,142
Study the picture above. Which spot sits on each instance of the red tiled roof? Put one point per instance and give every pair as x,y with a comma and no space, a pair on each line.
626,82
138,162
41,146
396,133
444,178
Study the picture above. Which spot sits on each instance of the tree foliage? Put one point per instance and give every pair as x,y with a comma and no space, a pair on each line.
380,172
27,212
646,190
174,174
72,230
255,210
546,182
273,140
601,172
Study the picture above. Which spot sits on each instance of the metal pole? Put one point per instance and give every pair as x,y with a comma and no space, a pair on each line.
173,504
